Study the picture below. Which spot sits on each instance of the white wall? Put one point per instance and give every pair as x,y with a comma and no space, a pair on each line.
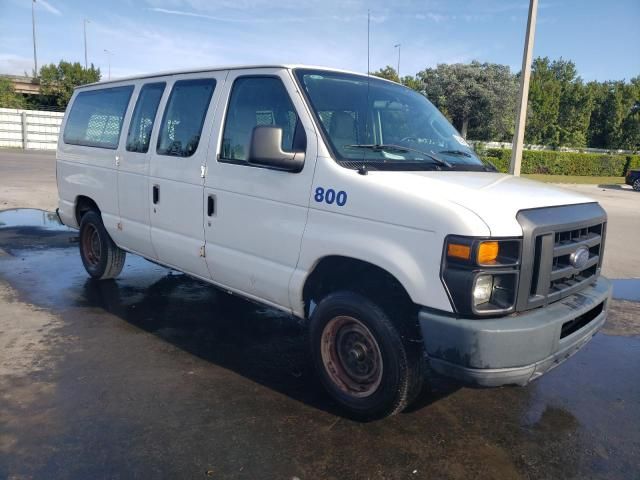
41,128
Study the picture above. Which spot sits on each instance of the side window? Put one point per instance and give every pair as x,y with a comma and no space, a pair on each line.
143,116
95,119
259,101
183,117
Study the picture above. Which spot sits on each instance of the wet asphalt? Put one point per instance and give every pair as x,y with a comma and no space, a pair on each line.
157,375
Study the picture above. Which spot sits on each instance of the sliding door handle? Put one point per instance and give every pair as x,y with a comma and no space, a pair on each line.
211,205
156,194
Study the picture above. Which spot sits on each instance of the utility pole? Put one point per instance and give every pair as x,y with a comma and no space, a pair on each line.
33,25
86,63
108,60
518,137
398,46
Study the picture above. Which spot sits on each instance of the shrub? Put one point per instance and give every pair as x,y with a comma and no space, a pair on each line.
565,163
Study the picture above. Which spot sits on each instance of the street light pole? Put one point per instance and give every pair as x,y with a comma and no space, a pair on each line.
518,137
33,25
108,60
398,46
86,63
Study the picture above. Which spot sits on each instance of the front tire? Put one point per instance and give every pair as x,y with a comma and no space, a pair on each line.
361,359
101,257
636,185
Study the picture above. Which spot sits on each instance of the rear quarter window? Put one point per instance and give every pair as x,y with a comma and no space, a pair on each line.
96,117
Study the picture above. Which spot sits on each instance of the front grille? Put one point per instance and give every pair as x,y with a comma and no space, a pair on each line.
564,276
548,244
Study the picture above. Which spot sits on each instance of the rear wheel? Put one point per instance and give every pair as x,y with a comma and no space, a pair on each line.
361,359
101,257
636,185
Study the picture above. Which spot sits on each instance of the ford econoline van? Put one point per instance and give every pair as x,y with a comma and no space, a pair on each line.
346,200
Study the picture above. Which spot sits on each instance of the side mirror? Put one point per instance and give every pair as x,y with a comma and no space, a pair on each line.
265,150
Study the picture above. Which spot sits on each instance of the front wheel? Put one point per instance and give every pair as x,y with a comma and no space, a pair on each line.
361,359
636,185
101,257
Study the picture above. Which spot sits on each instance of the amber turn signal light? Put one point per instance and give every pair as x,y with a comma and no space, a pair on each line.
456,250
488,253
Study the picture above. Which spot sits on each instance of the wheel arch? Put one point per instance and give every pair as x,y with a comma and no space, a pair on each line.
336,272
83,205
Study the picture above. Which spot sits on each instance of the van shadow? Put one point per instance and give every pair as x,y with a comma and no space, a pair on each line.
262,344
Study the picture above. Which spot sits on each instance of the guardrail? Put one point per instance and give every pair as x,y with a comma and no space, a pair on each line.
29,129
485,144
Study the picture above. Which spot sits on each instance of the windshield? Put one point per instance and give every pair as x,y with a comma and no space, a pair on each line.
378,122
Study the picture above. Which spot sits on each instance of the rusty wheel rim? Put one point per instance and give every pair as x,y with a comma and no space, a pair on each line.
351,356
91,245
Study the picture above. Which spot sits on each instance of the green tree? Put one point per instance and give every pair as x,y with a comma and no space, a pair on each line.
544,104
414,83
8,96
575,105
479,98
614,118
630,127
58,81
387,72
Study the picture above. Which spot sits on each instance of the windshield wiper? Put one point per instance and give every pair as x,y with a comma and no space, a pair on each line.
456,152
379,147
488,166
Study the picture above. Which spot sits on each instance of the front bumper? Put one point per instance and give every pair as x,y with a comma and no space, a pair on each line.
517,349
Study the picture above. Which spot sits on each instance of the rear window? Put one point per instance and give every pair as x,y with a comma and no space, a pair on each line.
96,116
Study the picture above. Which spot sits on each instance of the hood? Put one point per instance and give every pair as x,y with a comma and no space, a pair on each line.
495,197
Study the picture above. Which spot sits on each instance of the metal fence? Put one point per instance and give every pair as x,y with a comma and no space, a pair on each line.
32,129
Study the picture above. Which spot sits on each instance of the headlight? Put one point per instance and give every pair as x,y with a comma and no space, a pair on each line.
482,289
481,275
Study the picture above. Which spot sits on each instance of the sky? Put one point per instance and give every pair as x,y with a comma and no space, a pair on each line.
143,36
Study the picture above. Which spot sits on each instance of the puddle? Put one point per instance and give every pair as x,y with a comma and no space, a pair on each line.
626,289
26,228
27,217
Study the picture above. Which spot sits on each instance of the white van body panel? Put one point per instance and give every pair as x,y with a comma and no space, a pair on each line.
253,238
494,197
386,222
90,172
177,232
133,188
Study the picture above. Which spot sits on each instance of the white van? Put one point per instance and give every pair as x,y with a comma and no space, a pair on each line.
346,200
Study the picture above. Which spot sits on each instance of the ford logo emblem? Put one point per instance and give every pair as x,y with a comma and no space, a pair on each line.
579,258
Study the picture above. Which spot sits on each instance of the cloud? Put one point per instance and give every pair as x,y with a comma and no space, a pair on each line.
15,64
228,19
270,20
436,17
48,7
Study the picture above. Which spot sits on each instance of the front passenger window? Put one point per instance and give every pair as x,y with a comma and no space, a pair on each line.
259,101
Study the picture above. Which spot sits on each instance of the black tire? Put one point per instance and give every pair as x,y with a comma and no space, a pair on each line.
346,360
102,259
636,185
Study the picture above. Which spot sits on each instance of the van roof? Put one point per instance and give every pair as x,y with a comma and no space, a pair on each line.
213,69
